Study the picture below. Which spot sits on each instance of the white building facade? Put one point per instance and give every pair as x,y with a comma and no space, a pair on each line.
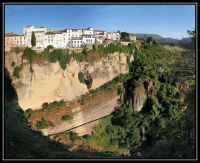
19,40
67,38
115,36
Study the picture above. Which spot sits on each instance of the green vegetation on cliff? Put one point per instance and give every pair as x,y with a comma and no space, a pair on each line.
16,72
63,56
161,121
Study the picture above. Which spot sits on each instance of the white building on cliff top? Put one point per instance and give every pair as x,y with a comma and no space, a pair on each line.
67,38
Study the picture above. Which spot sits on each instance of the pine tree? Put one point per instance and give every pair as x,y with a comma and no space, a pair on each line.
33,39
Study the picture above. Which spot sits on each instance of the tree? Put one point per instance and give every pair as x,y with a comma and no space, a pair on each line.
150,40
124,36
29,54
17,50
192,34
33,39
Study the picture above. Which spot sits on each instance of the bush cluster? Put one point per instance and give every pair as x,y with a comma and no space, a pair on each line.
43,123
52,106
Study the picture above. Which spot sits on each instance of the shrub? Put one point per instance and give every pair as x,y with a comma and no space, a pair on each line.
62,57
50,47
82,101
85,50
28,113
81,77
16,72
44,105
43,123
78,56
13,64
29,54
73,136
45,51
54,105
17,49
66,117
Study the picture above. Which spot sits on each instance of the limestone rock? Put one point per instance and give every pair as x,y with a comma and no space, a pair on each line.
49,82
139,97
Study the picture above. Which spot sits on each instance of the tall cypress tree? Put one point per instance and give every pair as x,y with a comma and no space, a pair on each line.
33,39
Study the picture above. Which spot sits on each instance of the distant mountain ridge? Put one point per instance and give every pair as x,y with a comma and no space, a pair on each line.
161,39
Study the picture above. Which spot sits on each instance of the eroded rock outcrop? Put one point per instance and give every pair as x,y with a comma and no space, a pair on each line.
96,106
139,97
48,82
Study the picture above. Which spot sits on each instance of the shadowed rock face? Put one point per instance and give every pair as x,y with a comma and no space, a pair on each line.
49,82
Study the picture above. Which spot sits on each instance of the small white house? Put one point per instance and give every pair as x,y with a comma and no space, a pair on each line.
76,42
115,36
132,38
99,36
19,40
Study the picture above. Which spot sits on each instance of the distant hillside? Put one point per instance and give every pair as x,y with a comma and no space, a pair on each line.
162,39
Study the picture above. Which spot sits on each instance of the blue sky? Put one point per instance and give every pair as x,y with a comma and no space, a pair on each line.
165,20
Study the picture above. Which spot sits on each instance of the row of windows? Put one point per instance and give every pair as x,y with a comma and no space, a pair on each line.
77,41
19,38
17,42
88,40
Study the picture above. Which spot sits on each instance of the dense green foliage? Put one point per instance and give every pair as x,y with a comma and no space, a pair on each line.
29,54
48,107
161,117
28,113
61,56
33,39
43,123
124,36
16,72
81,77
111,48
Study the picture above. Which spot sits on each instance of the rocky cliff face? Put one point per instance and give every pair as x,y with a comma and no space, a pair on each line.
139,97
94,107
48,82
